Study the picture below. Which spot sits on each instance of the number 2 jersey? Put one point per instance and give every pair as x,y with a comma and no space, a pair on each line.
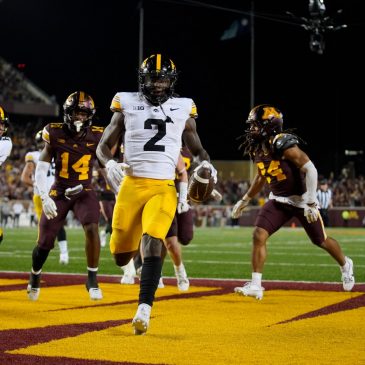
153,134
74,156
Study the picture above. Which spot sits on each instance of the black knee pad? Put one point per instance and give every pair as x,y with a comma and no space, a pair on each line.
151,246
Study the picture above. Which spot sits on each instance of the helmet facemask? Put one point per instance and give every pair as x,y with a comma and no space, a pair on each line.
265,121
157,77
79,110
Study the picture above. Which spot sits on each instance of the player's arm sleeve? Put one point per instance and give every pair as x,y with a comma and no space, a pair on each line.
311,178
41,177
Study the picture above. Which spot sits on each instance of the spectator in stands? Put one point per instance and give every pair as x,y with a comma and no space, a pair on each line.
18,209
5,212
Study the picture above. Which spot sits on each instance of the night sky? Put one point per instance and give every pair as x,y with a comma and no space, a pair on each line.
94,46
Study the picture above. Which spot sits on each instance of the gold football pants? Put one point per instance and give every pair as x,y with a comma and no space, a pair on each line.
143,206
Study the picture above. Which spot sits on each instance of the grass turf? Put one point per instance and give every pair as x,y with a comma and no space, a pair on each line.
213,253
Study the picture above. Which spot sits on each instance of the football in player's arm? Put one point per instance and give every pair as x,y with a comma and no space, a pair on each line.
152,123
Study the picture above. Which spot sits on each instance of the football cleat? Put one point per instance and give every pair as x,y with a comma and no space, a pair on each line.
33,293
142,319
160,285
33,288
103,238
129,273
250,290
347,277
64,259
183,283
127,279
95,294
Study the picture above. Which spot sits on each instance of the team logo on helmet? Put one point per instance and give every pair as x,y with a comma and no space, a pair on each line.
79,109
265,120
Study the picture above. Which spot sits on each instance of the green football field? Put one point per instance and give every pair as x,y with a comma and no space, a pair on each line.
213,253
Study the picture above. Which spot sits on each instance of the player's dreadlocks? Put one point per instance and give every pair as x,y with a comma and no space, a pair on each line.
252,146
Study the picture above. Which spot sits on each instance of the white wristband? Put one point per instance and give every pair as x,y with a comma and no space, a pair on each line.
311,177
183,191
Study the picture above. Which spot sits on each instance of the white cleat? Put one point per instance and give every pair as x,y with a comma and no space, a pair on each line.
129,272
103,238
33,293
142,319
64,259
250,290
127,279
160,285
183,283
95,294
347,277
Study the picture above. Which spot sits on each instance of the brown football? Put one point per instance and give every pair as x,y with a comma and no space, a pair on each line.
201,185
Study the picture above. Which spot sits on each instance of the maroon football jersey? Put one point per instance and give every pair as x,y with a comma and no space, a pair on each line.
188,158
74,156
283,177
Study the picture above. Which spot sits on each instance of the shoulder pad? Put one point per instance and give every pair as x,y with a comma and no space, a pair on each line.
56,125
95,128
116,103
194,111
29,157
283,141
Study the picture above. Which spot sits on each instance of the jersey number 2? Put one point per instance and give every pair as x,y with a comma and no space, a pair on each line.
151,144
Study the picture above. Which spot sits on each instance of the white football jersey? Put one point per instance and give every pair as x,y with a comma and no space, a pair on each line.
33,156
152,140
5,148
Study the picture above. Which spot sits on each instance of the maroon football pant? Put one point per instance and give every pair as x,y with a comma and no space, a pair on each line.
274,215
85,207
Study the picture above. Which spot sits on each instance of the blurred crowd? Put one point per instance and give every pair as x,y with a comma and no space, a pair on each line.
13,86
347,191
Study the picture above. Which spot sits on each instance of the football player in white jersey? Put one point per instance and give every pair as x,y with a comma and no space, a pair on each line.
28,178
5,145
5,142
152,124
